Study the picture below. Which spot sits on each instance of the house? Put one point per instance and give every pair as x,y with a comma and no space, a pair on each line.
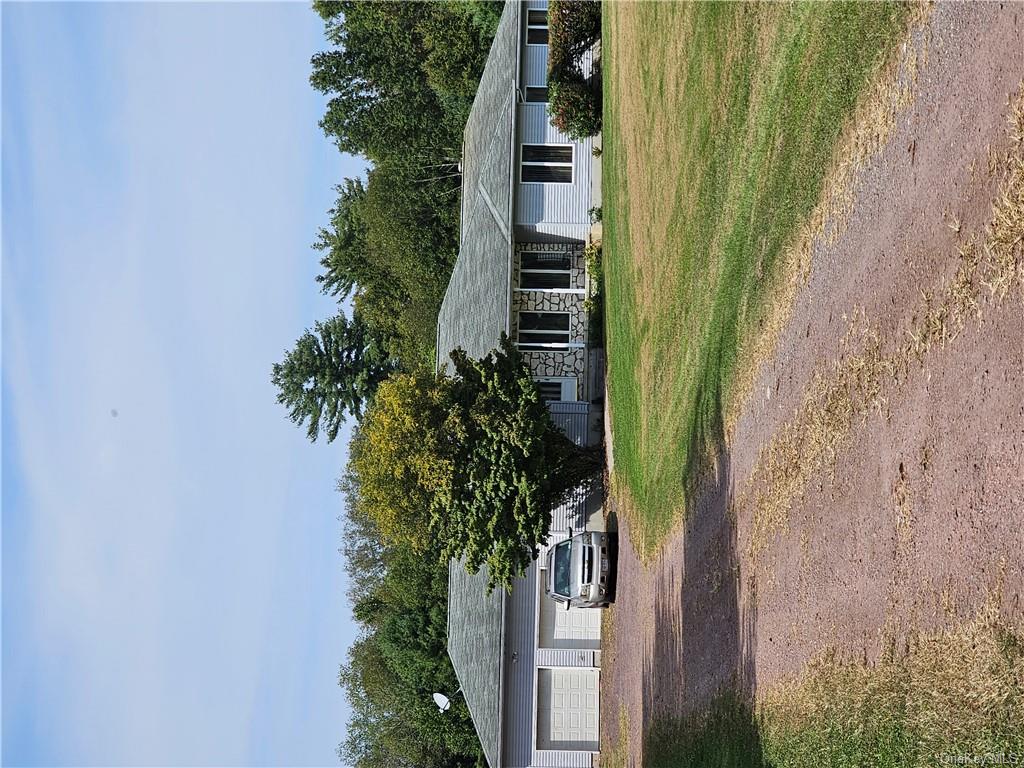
529,669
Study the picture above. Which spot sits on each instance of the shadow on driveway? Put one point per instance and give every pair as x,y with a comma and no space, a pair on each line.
699,680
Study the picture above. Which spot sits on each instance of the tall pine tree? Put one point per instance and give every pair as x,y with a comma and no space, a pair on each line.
331,371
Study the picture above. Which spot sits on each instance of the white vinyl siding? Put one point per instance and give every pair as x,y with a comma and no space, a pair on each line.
519,712
546,163
534,65
565,657
542,758
558,210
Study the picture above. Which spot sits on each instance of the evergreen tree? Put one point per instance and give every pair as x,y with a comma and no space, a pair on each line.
513,466
346,258
332,370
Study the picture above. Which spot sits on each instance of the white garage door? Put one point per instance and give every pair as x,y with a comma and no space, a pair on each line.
573,628
567,709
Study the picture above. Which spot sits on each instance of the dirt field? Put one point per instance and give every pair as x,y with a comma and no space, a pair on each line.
874,480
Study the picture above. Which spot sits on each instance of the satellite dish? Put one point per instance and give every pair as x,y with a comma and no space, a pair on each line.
442,701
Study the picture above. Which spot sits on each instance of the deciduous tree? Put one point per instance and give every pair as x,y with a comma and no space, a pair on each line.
474,456
399,598
400,458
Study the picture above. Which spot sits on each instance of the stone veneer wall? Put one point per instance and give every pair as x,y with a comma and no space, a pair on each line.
571,362
559,363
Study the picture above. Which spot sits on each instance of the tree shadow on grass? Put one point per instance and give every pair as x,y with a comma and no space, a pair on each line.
699,678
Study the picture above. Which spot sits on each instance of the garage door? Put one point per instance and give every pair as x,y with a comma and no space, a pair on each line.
567,709
573,628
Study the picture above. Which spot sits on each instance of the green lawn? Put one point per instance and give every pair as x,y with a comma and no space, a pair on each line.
720,123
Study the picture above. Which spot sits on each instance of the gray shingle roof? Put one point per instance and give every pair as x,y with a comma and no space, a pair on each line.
474,645
475,308
473,315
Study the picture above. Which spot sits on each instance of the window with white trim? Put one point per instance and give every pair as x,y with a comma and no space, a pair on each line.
544,270
536,27
546,163
543,330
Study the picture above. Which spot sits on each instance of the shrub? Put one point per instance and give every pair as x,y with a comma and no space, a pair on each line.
575,103
592,259
573,27
593,305
574,100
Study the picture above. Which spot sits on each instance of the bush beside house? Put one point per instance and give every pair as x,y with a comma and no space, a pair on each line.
574,26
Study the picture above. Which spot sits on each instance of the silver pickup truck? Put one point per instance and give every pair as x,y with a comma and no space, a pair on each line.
580,570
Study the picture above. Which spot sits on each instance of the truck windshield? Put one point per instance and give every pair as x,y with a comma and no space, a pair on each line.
561,568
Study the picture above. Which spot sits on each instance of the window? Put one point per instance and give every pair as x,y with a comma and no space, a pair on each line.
560,567
546,163
556,388
537,280
547,153
537,93
540,270
544,260
536,27
543,330
550,390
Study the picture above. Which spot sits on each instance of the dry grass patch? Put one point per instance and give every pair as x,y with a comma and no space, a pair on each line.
617,755
931,698
808,445
957,692
1005,233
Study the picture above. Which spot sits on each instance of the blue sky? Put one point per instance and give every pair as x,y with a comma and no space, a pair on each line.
172,590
